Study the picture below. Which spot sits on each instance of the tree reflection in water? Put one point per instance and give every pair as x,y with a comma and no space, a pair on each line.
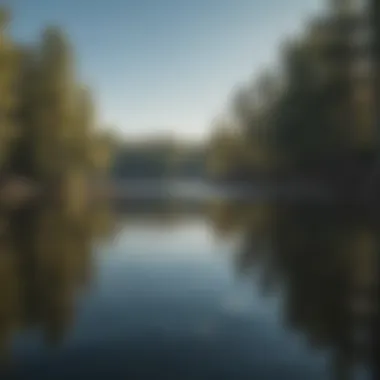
324,261
321,259
45,261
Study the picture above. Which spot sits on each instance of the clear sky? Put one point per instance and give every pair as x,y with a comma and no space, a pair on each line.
165,65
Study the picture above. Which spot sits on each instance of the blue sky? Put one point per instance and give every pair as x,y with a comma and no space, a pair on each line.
165,65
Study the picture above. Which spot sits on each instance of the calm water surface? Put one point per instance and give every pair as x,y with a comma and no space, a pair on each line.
222,292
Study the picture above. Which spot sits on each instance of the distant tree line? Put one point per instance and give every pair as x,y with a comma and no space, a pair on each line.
158,158
312,117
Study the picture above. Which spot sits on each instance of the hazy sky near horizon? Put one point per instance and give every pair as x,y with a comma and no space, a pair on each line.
165,65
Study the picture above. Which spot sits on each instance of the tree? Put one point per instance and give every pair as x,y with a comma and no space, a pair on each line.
8,77
25,114
54,106
226,151
82,128
315,111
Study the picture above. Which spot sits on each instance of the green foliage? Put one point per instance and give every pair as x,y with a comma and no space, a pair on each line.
310,112
48,126
8,77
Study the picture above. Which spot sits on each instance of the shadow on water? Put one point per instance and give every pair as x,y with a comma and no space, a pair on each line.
45,262
323,262
319,259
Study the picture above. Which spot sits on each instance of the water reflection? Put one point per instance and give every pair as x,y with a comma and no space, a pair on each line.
319,261
323,263
45,261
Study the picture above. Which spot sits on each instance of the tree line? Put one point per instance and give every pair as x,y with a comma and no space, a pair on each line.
158,158
48,126
311,117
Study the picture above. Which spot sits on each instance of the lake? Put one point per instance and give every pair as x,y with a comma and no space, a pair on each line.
201,190
226,290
